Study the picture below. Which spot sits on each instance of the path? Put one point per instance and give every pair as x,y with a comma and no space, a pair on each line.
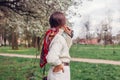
73,59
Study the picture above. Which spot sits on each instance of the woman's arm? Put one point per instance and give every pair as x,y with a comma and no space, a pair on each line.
53,55
54,52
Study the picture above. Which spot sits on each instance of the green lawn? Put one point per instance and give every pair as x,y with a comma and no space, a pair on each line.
22,50
19,69
87,71
79,51
95,51
25,69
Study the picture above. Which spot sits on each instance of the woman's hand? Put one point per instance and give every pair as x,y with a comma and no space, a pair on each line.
58,68
68,31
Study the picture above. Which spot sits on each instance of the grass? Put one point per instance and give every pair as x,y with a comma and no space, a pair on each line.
87,71
95,51
19,69
22,50
25,69
79,51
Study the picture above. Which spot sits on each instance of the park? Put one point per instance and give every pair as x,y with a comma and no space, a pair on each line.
95,52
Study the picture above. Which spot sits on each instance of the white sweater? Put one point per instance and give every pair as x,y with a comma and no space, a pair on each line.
59,49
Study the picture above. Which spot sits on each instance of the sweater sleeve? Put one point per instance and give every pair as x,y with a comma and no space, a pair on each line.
54,52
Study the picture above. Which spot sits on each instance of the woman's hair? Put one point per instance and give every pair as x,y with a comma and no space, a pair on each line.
57,19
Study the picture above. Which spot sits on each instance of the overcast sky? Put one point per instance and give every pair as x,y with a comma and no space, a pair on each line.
96,11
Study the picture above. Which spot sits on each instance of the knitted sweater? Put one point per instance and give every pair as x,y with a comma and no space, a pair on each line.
59,49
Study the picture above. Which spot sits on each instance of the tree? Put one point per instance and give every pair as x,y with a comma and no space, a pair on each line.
20,13
87,27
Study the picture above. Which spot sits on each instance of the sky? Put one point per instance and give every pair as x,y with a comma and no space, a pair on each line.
97,12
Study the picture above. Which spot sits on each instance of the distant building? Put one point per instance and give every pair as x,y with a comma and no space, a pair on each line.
89,41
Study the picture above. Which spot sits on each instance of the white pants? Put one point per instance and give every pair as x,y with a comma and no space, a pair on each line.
59,75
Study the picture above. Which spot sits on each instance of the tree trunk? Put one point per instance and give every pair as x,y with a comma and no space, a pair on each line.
5,40
14,41
38,43
29,43
34,41
0,40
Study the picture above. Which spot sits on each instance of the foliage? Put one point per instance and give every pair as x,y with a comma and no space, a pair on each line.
27,18
31,10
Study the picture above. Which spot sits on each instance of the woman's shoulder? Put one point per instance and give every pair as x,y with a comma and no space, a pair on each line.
60,37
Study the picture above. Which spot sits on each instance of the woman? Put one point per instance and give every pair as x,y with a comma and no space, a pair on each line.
58,41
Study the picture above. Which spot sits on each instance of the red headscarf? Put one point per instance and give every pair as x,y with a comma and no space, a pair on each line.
50,34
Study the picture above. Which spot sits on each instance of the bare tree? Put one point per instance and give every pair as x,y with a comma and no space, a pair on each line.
87,28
